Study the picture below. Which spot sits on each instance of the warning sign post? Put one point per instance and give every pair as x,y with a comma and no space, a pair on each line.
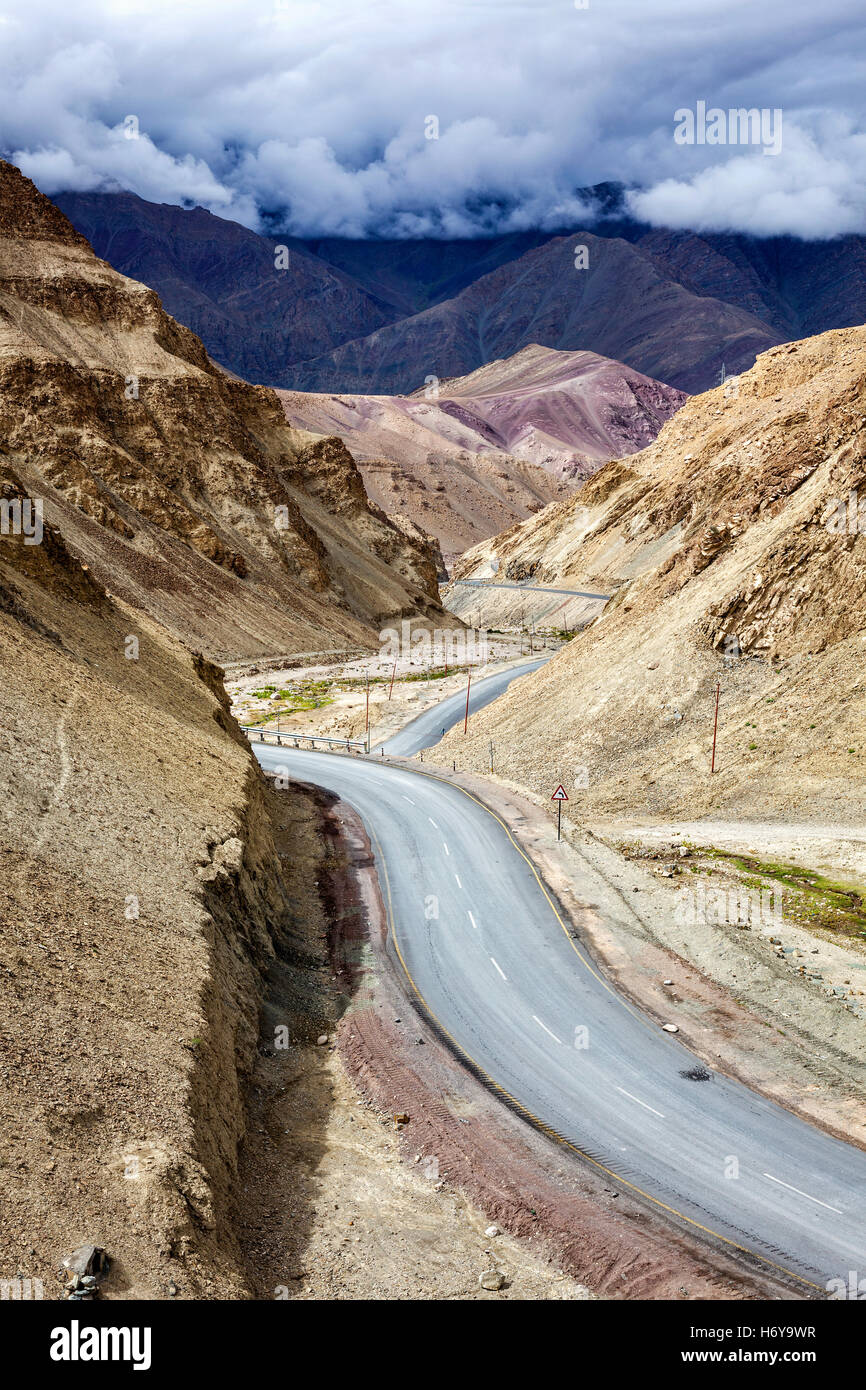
559,796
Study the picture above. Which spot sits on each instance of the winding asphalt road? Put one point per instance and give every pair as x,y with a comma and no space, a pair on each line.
427,729
487,955
527,588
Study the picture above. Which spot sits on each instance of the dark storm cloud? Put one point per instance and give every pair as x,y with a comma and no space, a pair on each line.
317,114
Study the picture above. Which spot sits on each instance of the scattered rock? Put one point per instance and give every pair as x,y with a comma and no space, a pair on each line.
491,1279
86,1267
321,1040
492,1231
670,1027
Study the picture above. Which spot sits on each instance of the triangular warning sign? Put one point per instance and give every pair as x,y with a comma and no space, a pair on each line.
559,794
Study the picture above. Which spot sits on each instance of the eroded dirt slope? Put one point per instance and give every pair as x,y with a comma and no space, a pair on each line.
140,892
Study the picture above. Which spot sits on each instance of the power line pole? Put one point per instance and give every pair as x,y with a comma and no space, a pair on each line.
715,727
468,688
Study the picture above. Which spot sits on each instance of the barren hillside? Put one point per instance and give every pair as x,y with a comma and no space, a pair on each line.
733,549
150,879
479,452
141,892
185,491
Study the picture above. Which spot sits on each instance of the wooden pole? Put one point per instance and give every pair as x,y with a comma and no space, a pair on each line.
468,687
715,727
393,674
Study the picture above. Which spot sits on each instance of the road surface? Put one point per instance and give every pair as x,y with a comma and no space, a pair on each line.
528,588
427,729
486,954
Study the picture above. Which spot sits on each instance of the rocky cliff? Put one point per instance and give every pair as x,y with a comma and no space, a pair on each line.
185,491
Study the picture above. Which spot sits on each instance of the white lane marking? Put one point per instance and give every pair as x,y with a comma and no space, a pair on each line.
547,1030
803,1194
433,823
446,849
499,968
459,884
640,1102
407,798
473,921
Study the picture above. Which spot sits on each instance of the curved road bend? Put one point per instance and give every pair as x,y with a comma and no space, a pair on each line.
427,729
528,588
499,973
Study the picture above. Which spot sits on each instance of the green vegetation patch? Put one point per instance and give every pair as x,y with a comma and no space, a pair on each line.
808,897
302,695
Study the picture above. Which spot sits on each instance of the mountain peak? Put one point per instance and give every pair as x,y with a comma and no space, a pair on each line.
27,215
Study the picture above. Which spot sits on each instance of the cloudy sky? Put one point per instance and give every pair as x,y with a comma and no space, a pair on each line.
316,114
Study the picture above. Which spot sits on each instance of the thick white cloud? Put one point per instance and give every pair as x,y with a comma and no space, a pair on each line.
816,189
314,112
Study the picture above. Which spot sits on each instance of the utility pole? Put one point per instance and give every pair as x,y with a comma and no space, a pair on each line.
393,674
491,754
367,731
468,687
715,727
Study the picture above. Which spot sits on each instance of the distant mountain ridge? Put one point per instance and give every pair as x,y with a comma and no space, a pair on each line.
348,316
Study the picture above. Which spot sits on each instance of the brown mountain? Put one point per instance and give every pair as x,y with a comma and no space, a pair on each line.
219,279
735,548
222,281
184,491
621,305
150,878
489,449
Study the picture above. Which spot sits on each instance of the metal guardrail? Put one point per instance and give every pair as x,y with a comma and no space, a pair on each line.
295,740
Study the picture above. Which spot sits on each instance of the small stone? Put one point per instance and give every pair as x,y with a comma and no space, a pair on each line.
492,1231
670,1028
491,1279
321,1040
87,1260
